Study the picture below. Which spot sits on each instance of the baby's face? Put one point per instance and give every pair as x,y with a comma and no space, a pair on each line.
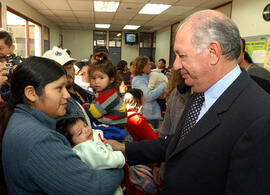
80,132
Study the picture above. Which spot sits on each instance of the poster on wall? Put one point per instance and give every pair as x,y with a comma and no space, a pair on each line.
267,55
256,50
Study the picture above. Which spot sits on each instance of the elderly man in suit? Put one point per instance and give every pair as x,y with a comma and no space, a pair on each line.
222,142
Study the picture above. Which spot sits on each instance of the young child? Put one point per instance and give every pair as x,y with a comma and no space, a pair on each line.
107,107
88,145
137,126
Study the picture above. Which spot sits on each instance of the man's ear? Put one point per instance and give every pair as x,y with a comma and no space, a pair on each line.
30,93
215,52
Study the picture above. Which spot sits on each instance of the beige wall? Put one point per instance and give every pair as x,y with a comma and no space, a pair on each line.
163,44
79,42
247,14
129,52
23,8
227,9
54,37
163,37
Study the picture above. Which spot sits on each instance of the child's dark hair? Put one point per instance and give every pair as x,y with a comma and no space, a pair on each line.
64,125
107,67
132,97
121,65
137,93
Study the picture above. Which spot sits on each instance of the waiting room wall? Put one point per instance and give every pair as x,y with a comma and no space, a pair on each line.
21,7
247,14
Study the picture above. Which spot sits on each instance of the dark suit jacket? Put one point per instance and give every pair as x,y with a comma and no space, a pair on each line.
263,83
227,151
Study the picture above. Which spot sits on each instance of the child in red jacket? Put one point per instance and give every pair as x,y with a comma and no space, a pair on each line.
136,125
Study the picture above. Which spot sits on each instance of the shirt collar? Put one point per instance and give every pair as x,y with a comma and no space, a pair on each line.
216,90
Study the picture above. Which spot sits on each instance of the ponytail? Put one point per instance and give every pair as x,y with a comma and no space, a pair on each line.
4,115
6,112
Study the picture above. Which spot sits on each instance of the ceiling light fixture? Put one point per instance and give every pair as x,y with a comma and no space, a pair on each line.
131,27
153,8
102,25
118,35
105,6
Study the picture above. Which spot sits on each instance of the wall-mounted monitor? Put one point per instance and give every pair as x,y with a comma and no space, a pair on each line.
131,38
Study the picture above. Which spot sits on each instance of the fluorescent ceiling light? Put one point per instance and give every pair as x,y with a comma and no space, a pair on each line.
105,6
131,27
102,25
118,35
153,8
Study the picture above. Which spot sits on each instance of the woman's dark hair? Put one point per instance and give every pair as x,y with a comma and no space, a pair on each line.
121,65
107,67
244,44
81,64
140,62
248,58
34,71
163,60
64,125
153,66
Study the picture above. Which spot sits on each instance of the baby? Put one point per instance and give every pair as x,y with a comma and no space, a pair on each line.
88,145
156,77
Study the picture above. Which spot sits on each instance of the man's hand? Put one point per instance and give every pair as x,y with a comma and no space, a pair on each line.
117,146
3,74
156,174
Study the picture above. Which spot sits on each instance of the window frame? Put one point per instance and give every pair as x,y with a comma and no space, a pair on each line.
27,42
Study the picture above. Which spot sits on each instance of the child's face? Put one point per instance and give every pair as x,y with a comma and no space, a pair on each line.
80,132
99,80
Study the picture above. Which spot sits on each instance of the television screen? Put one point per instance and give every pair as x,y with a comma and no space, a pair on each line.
131,38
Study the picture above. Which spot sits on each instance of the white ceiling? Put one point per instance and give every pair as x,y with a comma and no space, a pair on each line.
79,14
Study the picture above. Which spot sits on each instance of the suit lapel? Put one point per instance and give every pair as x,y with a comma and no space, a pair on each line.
211,118
179,126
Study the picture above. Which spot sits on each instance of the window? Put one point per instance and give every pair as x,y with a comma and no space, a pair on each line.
16,26
173,33
26,33
147,40
46,38
100,38
34,39
147,45
115,38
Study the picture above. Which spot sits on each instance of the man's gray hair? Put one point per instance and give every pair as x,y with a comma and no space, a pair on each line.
215,28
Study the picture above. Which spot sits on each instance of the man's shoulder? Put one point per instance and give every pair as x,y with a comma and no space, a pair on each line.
258,71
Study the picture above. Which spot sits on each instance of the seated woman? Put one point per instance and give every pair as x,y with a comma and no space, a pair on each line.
37,159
